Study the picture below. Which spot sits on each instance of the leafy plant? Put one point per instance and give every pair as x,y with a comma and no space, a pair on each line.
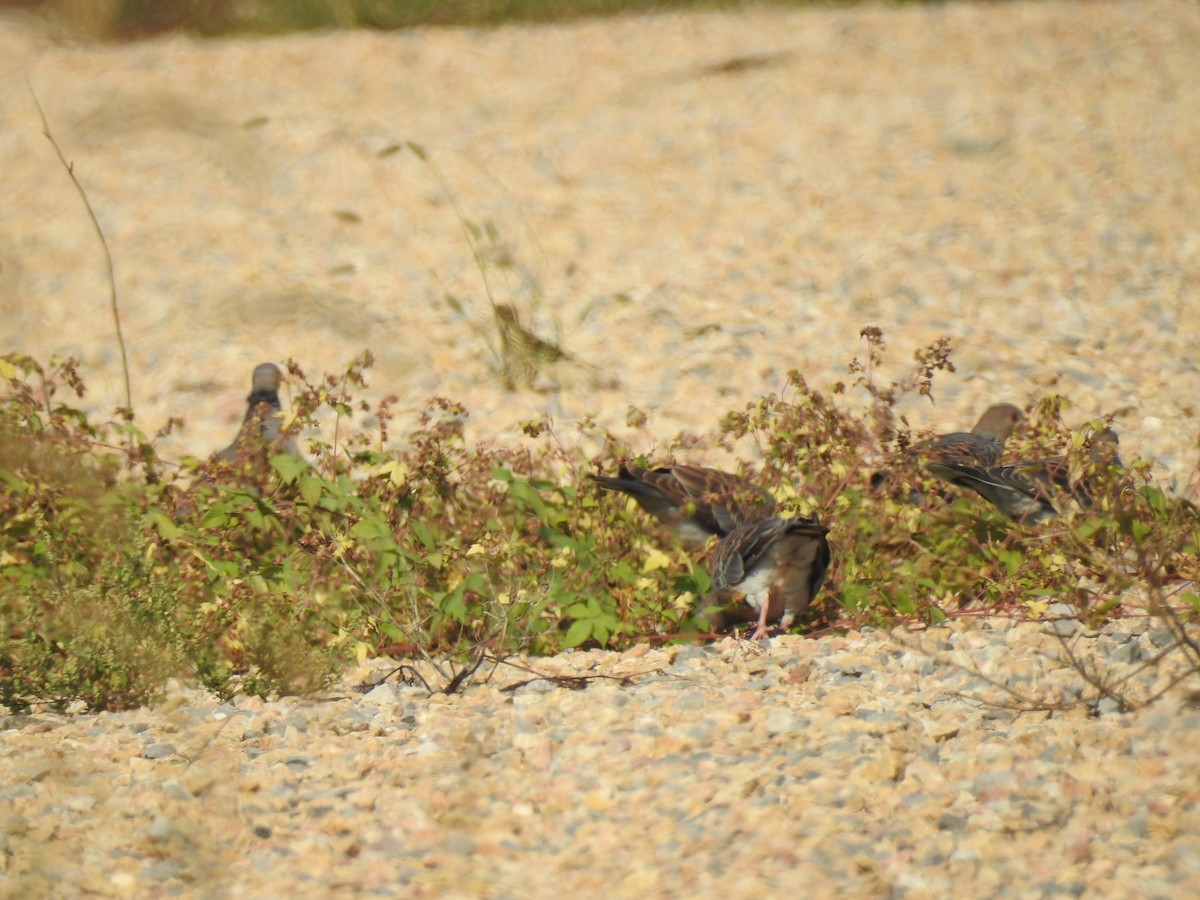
267,576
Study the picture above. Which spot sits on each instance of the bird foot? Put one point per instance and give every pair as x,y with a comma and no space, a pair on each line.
760,635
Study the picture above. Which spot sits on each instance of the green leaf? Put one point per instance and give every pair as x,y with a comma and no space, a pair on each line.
476,583
600,632
14,481
216,517
1011,560
393,631
289,466
454,605
526,496
423,533
579,610
580,631
374,532
1157,500
310,489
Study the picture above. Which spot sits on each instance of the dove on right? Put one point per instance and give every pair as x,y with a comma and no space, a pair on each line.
1032,491
982,446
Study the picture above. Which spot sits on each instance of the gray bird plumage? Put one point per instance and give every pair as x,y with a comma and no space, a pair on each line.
264,416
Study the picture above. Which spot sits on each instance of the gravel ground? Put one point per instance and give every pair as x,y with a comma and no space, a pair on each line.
695,204
868,765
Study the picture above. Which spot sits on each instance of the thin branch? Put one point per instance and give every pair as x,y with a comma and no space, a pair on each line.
112,280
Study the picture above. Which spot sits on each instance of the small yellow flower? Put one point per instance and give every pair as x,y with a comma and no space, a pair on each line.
396,471
1037,608
684,600
786,492
655,559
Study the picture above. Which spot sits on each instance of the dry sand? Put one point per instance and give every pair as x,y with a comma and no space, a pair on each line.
1020,177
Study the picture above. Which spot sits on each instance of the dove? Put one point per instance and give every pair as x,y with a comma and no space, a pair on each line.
777,564
263,419
983,445
696,501
1027,491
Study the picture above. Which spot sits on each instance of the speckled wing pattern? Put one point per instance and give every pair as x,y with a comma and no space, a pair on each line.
697,501
1026,491
1008,488
983,445
778,564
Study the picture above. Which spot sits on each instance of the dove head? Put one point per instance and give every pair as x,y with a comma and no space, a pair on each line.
998,421
266,378
1104,447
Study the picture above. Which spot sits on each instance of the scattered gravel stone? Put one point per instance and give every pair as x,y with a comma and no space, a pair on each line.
538,686
158,751
1161,637
386,695
1064,622
782,721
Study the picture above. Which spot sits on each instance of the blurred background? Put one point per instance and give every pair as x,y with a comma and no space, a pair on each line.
125,19
682,204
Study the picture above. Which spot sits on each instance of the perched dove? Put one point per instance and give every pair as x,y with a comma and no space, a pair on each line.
981,446
695,500
1026,491
263,419
777,564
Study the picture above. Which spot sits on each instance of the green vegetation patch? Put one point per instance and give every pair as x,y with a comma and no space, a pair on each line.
267,576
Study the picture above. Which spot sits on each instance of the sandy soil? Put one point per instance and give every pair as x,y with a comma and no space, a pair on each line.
694,203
